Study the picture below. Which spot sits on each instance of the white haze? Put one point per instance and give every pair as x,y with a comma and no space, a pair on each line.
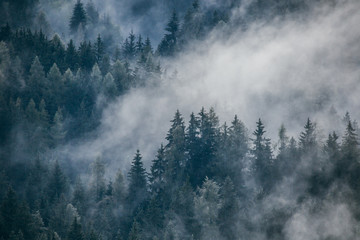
283,71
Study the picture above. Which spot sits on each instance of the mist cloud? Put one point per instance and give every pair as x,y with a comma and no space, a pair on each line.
283,71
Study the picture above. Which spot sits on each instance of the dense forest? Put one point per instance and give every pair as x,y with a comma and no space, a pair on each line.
207,179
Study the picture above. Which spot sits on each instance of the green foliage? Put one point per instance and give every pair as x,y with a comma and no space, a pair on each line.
137,181
78,18
75,231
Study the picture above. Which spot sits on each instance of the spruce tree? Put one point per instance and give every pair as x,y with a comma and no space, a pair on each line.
137,181
262,157
75,231
158,167
78,17
98,179
168,45
71,56
57,184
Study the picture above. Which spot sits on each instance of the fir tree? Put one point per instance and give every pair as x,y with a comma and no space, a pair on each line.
57,183
78,17
158,167
137,181
98,179
262,156
168,45
71,56
75,231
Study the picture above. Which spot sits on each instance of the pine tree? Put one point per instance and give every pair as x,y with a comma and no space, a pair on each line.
58,131
57,184
262,157
175,150
228,210
238,139
307,142
137,181
135,233
79,197
118,71
99,50
37,82
208,145
75,231
96,78
332,148
158,167
86,56
71,56
78,17
57,48
54,76
147,47
168,45
91,13
109,86
31,112
119,187
129,47
207,205
9,208
98,179
139,46
192,26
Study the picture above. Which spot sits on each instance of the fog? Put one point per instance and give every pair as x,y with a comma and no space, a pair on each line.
282,71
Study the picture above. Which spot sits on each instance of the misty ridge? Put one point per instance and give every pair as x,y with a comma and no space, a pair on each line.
198,119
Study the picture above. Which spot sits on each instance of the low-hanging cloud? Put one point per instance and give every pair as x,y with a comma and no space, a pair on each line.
282,71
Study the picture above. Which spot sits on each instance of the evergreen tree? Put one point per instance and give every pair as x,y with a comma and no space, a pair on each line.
96,78
262,157
135,233
208,144
99,50
57,49
307,142
147,48
332,148
207,205
158,167
58,131
86,56
175,151
193,23
78,17
75,231
137,181
79,197
129,46
228,210
9,208
57,184
91,13
238,139
109,86
71,56
98,179
119,187
121,79
139,46
37,82
168,45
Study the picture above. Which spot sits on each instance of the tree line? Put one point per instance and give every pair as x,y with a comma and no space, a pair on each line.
197,186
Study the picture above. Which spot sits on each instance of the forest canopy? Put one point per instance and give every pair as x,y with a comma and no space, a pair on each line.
112,127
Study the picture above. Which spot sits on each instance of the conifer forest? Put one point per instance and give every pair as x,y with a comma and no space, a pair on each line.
179,120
